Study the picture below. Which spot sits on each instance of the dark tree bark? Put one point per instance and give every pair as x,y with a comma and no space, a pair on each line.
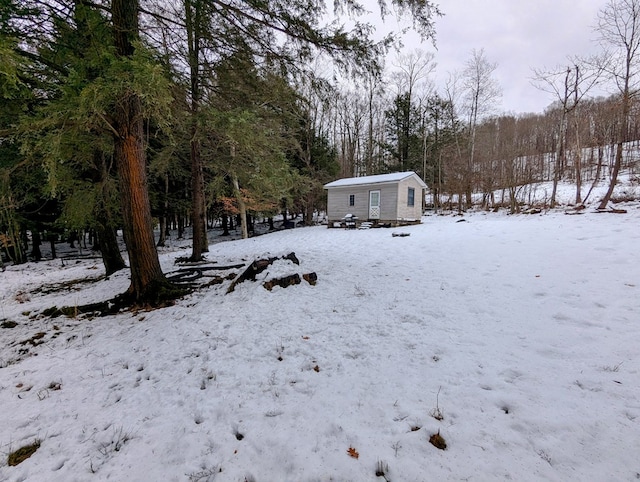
163,230
180,226
225,225
105,227
198,221
193,17
52,242
147,278
36,254
109,249
164,224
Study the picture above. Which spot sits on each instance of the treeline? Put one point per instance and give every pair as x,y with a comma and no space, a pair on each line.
467,151
500,163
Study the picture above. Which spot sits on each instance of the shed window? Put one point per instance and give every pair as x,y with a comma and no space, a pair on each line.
352,199
411,197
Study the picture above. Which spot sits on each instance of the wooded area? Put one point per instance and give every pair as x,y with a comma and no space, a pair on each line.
132,115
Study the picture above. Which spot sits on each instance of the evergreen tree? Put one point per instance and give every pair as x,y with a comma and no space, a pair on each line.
440,136
316,162
246,135
148,283
20,181
98,85
76,153
403,132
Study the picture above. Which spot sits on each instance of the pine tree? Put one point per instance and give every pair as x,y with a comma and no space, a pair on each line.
148,282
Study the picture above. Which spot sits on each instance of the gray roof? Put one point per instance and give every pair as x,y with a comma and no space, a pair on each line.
378,179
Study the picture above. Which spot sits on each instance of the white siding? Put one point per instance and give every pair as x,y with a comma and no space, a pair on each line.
338,202
404,210
388,201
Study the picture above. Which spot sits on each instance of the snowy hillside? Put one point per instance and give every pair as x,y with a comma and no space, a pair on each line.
514,337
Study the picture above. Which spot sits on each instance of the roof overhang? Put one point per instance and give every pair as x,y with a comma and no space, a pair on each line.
373,180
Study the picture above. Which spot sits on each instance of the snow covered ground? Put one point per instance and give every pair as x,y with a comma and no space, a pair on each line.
522,332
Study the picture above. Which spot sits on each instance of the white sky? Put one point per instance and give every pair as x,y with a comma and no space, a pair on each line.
518,35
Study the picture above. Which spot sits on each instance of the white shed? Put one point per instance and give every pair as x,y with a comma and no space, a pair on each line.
383,199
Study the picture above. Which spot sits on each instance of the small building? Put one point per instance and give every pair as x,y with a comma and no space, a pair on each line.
391,199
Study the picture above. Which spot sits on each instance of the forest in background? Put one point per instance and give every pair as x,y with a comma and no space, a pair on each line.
128,115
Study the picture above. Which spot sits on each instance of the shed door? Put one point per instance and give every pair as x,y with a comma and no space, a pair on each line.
374,204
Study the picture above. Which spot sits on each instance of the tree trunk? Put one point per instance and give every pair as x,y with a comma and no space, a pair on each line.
146,274
109,249
309,209
225,225
200,244
180,226
614,176
622,137
241,206
193,20
36,254
597,176
578,168
250,221
52,243
558,165
164,217
162,238
105,230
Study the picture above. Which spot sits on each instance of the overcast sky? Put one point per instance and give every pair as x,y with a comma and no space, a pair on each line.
518,35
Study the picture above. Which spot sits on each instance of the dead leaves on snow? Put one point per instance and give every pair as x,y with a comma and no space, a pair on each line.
438,441
352,452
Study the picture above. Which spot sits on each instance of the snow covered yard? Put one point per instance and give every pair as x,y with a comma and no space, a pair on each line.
522,332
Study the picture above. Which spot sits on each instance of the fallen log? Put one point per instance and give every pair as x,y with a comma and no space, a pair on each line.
612,210
293,279
192,273
257,267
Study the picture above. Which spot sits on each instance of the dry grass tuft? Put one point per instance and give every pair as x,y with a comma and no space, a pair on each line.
23,453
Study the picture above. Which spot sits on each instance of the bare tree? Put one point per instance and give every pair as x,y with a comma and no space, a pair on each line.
619,29
569,86
373,84
413,68
481,93
412,74
453,166
351,111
